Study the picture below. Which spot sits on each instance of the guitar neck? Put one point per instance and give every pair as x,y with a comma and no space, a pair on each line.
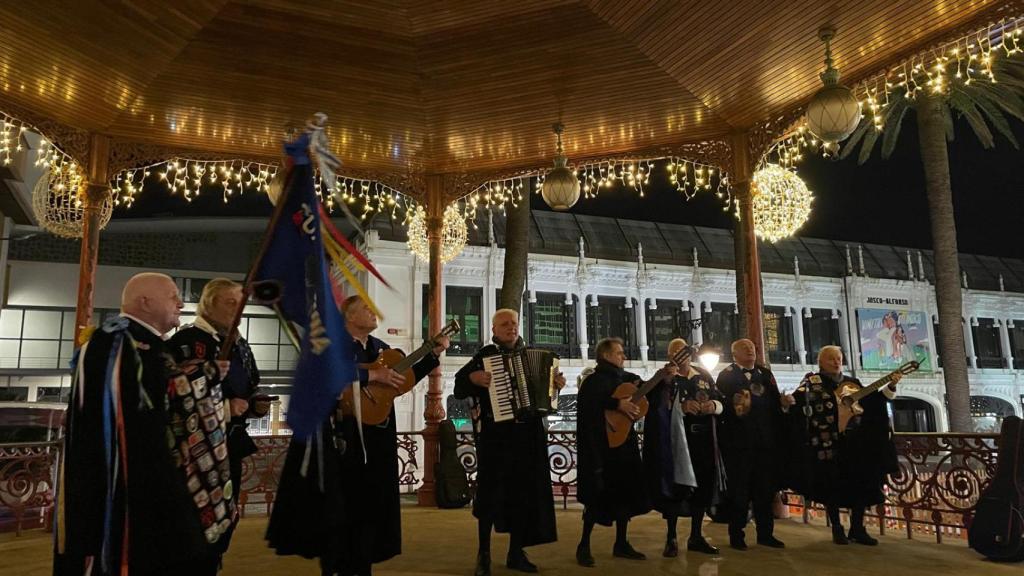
413,358
870,388
678,360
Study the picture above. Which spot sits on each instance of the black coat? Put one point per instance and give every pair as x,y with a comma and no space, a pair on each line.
848,469
165,533
610,480
667,497
348,515
761,431
513,478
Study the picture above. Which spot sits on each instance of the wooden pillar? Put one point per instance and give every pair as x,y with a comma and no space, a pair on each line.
753,308
433,411
93,191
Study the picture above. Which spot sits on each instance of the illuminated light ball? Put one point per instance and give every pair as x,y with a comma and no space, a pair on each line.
781,202
454,234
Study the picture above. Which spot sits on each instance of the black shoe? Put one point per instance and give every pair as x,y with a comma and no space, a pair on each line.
483,564
771,542
861,536
738,542
699,544
839,535
519,561
584,557
626,550
671,548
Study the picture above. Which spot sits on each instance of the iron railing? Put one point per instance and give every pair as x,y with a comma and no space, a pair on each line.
940,479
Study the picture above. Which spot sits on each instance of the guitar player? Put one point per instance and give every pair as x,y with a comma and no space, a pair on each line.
371,530
842,469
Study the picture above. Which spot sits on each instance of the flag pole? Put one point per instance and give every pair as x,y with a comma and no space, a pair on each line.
232,334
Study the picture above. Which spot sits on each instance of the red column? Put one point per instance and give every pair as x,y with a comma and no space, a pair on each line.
753,304
433,411
94,192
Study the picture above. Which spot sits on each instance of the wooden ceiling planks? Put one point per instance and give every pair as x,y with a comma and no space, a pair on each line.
444,85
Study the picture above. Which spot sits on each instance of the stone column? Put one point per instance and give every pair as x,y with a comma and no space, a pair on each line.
697,335
581,324
641,329
1004,342
972,359
798,336
94,192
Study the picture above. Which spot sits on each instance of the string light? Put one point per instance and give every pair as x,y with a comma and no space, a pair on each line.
781,202
454,233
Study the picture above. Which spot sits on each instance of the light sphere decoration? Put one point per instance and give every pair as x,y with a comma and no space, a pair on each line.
58,202
781,202
834,111
561,188
454,234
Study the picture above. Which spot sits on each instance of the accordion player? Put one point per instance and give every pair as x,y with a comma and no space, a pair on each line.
522,382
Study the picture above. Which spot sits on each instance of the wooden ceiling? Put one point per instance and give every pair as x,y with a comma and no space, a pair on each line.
443,85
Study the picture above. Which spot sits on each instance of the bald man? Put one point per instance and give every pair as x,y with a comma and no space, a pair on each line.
513,483
142,488
751,443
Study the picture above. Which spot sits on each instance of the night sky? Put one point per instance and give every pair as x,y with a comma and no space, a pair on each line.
881,202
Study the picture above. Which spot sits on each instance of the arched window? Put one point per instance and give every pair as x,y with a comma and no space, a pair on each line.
913,415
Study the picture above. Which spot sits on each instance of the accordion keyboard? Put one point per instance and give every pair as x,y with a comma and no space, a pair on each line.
502,388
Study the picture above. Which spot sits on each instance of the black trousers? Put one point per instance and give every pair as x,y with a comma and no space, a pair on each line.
751,483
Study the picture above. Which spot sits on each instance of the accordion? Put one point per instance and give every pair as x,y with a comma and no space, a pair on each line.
522,382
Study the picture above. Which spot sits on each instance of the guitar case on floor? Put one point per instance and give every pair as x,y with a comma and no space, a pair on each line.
451,488
997,530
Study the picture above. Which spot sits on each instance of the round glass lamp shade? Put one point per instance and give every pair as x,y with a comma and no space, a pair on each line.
561,188
833,113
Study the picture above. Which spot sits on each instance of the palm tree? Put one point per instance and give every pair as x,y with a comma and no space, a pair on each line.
517,249
985,105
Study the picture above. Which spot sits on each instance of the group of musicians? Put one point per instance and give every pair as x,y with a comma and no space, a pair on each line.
725,444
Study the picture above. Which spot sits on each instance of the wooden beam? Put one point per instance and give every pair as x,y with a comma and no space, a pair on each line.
753,305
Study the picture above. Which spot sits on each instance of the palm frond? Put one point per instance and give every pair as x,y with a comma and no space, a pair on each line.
851,142
1005,97
964,105
995,117
868,145
893,122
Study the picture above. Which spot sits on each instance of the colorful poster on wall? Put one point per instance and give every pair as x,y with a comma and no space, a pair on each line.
889,338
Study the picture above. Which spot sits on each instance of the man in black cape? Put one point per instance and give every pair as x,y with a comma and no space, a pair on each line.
683,465
513,492
345,508
753,429
200,342
842,469
144,485
610,481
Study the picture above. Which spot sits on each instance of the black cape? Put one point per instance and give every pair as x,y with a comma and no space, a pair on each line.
610,480
349,515
165,533
513,478
844,470
760,432
701,434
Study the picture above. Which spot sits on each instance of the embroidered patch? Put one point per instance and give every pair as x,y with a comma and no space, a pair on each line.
200,349
815,379
756,388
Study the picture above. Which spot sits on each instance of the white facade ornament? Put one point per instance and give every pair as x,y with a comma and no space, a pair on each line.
860,260
910,266
920,267
849,262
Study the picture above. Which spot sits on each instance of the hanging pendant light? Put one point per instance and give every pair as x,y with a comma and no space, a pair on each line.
561,188
834,112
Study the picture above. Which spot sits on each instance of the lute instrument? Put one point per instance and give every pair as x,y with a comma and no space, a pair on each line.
617,424
848,395
376,400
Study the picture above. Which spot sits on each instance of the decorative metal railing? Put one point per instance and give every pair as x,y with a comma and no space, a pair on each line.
940,480
27,473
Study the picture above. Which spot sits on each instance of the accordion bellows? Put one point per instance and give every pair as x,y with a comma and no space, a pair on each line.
522,383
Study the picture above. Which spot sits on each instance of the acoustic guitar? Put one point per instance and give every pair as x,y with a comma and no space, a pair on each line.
848,395
376,400
617,424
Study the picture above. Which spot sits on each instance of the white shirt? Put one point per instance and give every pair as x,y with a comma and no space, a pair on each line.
145,325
